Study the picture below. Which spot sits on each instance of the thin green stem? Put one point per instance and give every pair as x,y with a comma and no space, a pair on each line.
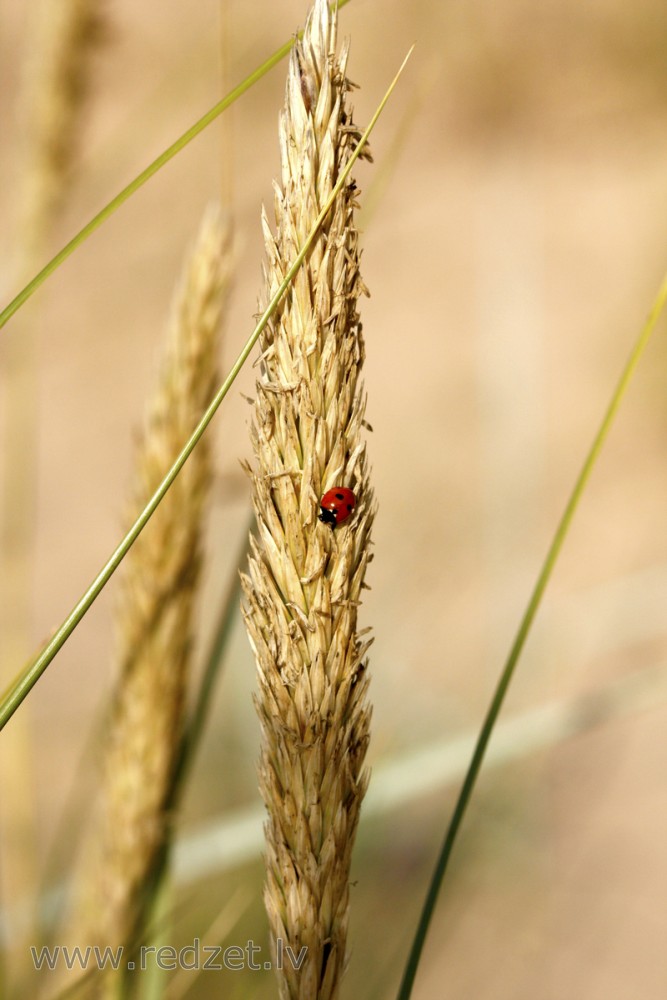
493,711
196,721
144,176
193,731
31,673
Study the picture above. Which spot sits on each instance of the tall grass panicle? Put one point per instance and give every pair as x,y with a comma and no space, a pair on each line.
303,590
154,614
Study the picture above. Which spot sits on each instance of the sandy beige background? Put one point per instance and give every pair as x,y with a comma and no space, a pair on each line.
515,243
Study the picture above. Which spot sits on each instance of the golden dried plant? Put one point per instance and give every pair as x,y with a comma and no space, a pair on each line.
303,589
154,619
51,104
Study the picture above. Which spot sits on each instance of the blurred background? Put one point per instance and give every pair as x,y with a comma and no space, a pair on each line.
514,239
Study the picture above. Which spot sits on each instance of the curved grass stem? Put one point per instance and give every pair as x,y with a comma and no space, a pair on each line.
493,711
30,674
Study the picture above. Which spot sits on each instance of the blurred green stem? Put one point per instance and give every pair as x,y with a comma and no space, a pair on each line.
194,728
405,989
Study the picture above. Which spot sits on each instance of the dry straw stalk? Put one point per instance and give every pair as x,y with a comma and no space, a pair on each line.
51,105
303,589
154,614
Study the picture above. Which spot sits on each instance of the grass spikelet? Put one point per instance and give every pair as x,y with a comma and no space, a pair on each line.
56,88
154,613
305,579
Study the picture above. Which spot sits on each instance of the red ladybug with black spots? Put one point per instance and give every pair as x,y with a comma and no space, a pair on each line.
336,505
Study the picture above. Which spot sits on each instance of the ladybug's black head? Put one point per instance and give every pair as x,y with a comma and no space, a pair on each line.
327,517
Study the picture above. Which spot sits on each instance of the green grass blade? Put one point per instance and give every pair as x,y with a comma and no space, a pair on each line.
198,715
484,737
31,673
144,176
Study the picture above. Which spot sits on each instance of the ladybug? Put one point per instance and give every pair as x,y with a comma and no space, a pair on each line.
336,505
